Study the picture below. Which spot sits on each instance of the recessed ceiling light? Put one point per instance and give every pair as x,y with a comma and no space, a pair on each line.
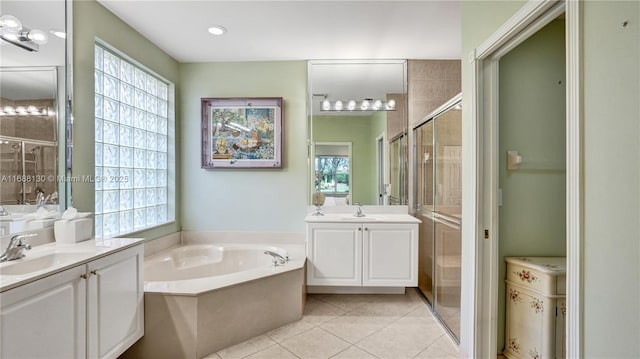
58,33
217,30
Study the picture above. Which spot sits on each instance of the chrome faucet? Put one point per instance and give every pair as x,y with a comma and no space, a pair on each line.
3,212
278,258
16,247
40,200
359,211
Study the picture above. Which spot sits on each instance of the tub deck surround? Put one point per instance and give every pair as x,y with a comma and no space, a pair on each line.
46,259
195,313
196,269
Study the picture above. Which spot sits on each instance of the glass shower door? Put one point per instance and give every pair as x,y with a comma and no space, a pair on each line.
447,217
438,204
423,136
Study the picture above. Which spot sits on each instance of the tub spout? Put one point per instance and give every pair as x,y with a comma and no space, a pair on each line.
278,259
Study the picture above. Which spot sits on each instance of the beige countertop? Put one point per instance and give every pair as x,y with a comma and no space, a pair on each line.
50,258
368,218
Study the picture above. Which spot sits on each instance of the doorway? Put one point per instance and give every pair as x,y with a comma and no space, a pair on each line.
531,169
485,110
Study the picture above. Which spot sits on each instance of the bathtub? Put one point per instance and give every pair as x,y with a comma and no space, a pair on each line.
203,297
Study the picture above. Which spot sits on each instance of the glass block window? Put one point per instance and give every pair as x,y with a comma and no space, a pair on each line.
131,146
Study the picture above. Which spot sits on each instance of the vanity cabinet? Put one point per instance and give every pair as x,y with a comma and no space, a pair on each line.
115,296
45,318
362,254
93,310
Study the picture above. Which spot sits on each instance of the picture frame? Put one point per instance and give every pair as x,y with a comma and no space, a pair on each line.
242,132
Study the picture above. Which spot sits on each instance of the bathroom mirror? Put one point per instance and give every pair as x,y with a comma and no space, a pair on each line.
33,114
357,131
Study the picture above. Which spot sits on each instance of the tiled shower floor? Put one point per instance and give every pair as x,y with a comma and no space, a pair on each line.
353,326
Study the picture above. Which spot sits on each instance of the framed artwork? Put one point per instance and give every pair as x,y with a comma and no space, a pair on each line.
242,132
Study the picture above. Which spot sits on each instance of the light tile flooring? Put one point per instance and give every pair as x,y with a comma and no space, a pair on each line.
353,326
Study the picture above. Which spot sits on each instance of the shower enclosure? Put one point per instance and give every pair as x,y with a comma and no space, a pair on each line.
438,203
26,168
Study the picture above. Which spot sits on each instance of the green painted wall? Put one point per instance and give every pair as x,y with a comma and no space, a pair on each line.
90,21
244,199
611,179
532,121
361,131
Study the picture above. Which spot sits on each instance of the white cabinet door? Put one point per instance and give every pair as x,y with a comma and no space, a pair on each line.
45,318
335,254
390,255
115,303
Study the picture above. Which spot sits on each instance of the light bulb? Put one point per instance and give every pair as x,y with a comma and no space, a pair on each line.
391,104
10,23
377,104
326,105
8,109
217,30
364,105
21,110
351,105
32,109
338,105
38,36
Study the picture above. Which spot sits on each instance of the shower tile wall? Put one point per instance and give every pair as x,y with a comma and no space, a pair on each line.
41,128
40,157
430,84
396,119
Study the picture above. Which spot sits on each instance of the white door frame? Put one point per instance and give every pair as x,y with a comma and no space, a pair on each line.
381,175
484,71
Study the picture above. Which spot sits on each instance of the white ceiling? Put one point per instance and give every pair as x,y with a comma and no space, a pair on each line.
296,30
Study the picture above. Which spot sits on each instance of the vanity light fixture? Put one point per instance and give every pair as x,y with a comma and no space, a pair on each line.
217,30
352,105
10,23
13,32
29,110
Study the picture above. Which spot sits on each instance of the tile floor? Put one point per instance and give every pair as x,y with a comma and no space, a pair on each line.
353,326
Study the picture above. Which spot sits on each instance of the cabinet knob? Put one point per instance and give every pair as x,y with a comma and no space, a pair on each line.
83,276
359,228
94,272
366,229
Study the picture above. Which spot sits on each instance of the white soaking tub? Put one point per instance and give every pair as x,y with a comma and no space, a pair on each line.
200,298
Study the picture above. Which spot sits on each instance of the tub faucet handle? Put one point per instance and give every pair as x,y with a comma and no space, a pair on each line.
277,257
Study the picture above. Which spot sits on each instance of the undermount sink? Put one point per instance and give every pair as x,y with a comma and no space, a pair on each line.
28,265
366,218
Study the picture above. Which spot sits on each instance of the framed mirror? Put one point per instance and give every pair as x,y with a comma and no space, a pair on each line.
33,116
358,131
